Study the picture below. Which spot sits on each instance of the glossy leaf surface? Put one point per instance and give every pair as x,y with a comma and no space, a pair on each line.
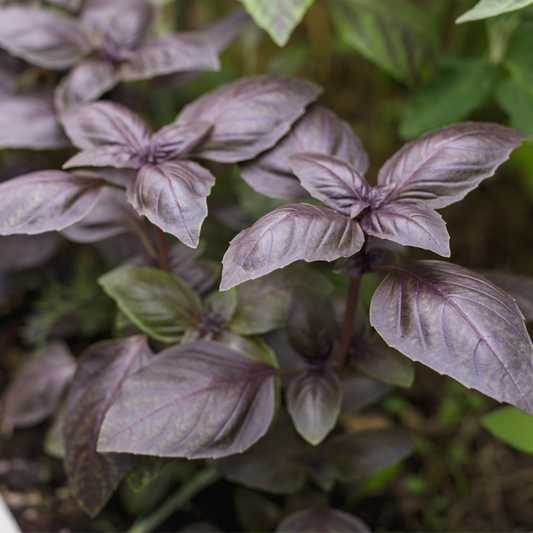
173,195
94,476
322,520
492,8
441,167
249,115
459,324
194,400
46,200
289,233
159,303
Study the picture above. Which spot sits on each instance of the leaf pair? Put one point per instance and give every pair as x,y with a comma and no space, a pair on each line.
434,171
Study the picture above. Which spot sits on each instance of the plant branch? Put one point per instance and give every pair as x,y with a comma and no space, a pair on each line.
161,248
348,322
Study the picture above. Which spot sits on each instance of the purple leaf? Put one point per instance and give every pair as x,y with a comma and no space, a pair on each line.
104,367
219,307
458,323
47,200
332,181
249,115
289,233
320,131
85,83
24,252
43,38
442,166
408,224
360,392
314,400
173,197
30,122
8,74
38,387
113,155
194,400
170,53
176,140
322,520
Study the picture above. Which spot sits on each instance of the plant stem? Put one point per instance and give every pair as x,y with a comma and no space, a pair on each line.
205,477
348,322
161,248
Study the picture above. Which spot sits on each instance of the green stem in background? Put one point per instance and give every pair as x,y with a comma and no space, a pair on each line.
205,477
161,248
499,31
348,322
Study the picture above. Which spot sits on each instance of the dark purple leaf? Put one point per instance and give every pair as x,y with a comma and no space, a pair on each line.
8,77
170,53
38,387
289,233
322,520
368,262
43,38
113,155
47,200
175,140
458,323
360,392
30,122
249,115
332,181
442,166
24,252
172,196
103,369
194,400
314,402
85,83
408,224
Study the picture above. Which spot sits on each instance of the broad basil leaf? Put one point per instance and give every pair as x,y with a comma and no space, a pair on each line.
314,400
219,307
319,131
441,167
459,324
112,155
393,34
194,400
24,252
332,181
516,99
249,115
175,140
409,224
360,392
30,122
277,17
39,384
492,8
168,54
322,520
263,304
94,476
43,38
289,233
173,195
159,303
47,200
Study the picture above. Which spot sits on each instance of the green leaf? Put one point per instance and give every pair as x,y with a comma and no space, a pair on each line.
459,87
277,17
159,303
519,59
393,34
512,426
517,101
492,8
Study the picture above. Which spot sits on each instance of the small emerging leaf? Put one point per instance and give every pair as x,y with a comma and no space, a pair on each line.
492,8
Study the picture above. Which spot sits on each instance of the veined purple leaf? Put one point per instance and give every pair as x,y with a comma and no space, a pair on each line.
318,130
322,520
39,384
30,122
442,166
173,195
159,303
47,200
314,400
106,123
112,155
43,38
332,181
289,233
409,224
103,369
458,323
168,54
194,400
85,83
249,115
175,140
